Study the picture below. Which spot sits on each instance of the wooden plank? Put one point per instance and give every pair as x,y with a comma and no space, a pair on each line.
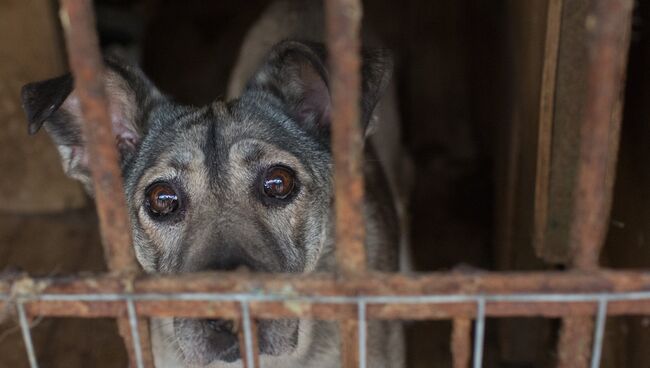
545,128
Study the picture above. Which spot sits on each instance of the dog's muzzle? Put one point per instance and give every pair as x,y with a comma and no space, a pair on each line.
203,341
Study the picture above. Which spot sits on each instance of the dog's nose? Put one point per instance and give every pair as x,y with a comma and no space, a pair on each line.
223,325
233,263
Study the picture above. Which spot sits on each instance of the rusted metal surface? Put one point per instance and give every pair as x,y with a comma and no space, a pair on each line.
371,284
343,20
349,330
343,23
269,310
86,64
608,26
461,342
575,342
77,19
277,296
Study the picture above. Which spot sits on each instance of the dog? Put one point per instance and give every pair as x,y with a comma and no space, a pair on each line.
243,183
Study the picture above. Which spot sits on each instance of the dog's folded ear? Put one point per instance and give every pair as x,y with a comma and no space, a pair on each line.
53,104
296,73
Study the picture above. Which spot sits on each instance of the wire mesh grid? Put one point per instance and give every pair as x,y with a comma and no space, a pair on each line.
355,294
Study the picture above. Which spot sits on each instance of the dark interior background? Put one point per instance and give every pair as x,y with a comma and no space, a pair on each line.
468,76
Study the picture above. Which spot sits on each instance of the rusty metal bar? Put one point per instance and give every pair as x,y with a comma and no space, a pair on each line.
608,28
78,22
461,340
574,343
343,19
431,296
343,23
326,285
86,64
350,353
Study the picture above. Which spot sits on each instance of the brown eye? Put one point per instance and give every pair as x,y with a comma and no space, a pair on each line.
161,199
278,182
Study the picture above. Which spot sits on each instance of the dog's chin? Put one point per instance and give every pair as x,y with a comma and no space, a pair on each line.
205,341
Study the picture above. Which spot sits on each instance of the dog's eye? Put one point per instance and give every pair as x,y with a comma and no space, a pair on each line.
161,199
278,182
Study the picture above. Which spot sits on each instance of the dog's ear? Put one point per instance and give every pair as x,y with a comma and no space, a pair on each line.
296,73
54,104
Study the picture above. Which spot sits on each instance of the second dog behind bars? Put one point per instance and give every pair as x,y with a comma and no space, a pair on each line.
244,183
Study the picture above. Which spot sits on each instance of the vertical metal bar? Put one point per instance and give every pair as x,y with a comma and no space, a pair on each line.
86,63
251,360
608,27
363,330
343,18
479,333
575,342
135,334
78,22
349,330
599,334
461,339
27,335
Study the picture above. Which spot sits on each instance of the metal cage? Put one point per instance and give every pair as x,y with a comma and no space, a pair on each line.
354,295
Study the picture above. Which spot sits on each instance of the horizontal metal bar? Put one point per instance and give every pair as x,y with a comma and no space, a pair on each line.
377,285
388,299
430,296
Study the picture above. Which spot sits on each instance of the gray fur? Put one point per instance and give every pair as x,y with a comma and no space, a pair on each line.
214,156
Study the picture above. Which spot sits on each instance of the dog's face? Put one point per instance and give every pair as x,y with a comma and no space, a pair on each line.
238,184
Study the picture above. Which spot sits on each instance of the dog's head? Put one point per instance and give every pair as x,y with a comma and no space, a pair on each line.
239,184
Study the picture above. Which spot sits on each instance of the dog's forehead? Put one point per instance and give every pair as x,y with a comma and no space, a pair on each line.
214,140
